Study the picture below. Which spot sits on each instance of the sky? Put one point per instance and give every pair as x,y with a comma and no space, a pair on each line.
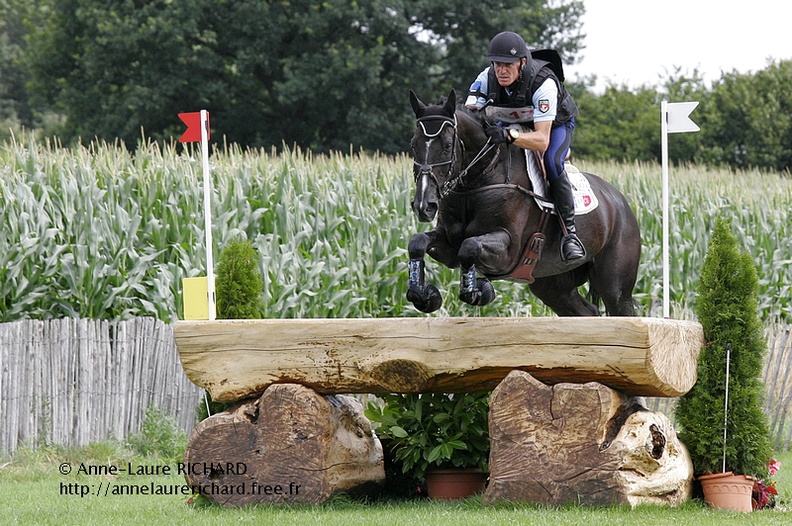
640,42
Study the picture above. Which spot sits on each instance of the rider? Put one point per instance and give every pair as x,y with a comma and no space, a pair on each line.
516,80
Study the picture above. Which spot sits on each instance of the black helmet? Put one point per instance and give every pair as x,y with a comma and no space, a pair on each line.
507,47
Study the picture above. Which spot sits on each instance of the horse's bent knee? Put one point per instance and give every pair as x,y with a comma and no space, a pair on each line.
418,245
469,252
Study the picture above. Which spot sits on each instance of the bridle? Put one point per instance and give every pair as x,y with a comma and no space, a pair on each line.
425,168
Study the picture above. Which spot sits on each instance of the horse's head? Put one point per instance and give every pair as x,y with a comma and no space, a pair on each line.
445,135
434,146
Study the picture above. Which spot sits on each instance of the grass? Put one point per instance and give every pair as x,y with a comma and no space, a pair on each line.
34,493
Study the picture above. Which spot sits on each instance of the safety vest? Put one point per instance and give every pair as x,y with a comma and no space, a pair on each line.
527,85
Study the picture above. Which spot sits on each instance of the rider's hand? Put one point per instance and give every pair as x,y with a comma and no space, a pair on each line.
497,134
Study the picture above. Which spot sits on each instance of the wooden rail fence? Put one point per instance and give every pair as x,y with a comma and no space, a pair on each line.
74,381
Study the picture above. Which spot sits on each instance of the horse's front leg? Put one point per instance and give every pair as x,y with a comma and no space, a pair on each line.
425,297
488,252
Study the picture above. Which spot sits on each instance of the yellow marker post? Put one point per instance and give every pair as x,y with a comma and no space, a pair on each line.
196,298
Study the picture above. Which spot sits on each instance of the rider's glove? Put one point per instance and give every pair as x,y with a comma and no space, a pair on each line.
497,134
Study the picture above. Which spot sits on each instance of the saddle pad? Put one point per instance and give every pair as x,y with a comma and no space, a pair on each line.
585,199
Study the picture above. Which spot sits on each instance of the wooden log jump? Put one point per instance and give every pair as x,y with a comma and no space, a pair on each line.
239,359
568,388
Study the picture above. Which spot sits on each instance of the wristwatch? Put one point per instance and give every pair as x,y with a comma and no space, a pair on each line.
514,134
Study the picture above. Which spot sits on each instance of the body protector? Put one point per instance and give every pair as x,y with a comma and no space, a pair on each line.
535,73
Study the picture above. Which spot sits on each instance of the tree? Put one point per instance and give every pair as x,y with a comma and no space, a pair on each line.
16,17
239,282
318,75
463,30
747,119
620,124
727,310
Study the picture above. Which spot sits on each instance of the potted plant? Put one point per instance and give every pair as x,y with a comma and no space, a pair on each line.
736,439
435,435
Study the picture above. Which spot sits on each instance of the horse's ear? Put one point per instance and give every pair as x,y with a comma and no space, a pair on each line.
450,105
417,106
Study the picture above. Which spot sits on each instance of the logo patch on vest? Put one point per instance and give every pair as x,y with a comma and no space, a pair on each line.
544,106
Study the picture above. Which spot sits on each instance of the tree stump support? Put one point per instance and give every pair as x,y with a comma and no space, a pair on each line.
289,445
581,443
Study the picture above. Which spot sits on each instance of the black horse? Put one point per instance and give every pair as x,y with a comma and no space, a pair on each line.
487,214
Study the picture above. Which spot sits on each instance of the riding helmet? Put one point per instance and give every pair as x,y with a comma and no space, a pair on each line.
507,47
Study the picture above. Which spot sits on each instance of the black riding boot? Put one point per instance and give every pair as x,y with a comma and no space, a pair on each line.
561,193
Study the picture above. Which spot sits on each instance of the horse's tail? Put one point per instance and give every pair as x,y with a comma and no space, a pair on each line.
594,297
593,294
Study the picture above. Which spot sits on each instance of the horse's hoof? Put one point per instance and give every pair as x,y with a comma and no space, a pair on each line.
482,294
470,297
426,299
488,293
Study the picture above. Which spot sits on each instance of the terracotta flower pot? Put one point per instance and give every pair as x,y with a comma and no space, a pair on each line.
728,491
451,484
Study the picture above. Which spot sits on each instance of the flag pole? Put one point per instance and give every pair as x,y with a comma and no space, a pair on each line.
207,185
674,118
664,148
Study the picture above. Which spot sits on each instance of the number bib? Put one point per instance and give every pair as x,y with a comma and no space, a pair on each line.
510,115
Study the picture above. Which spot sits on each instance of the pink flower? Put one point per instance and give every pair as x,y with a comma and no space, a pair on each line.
774,466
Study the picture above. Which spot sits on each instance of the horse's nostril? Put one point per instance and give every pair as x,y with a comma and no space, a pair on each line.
431,209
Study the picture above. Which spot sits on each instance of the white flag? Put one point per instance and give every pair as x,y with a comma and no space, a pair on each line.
678,117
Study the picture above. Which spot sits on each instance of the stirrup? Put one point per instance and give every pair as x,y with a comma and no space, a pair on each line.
572,248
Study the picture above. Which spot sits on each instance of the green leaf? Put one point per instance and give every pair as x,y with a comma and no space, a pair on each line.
439,418
435,453
398,432
457,444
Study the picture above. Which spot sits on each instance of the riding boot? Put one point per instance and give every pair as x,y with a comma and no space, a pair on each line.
561,193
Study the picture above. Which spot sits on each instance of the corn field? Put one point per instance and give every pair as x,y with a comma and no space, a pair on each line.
98,232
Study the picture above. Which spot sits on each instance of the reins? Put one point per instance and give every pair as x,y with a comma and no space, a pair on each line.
451,182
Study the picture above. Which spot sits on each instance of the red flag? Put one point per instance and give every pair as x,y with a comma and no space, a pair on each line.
193,122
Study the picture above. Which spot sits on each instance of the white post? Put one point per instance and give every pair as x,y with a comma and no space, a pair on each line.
674,118
664,148
210,283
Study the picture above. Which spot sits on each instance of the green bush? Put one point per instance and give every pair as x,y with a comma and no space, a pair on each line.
208,407
239,284
434,430
159,435
727,308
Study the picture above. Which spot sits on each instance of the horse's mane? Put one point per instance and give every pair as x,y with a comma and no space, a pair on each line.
476,115
461,110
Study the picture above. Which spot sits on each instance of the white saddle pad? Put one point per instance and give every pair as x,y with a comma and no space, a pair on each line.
585,199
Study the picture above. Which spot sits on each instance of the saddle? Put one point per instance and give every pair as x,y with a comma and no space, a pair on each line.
585,202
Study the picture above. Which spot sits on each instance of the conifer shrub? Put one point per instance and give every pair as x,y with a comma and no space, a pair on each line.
239,284
727,308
